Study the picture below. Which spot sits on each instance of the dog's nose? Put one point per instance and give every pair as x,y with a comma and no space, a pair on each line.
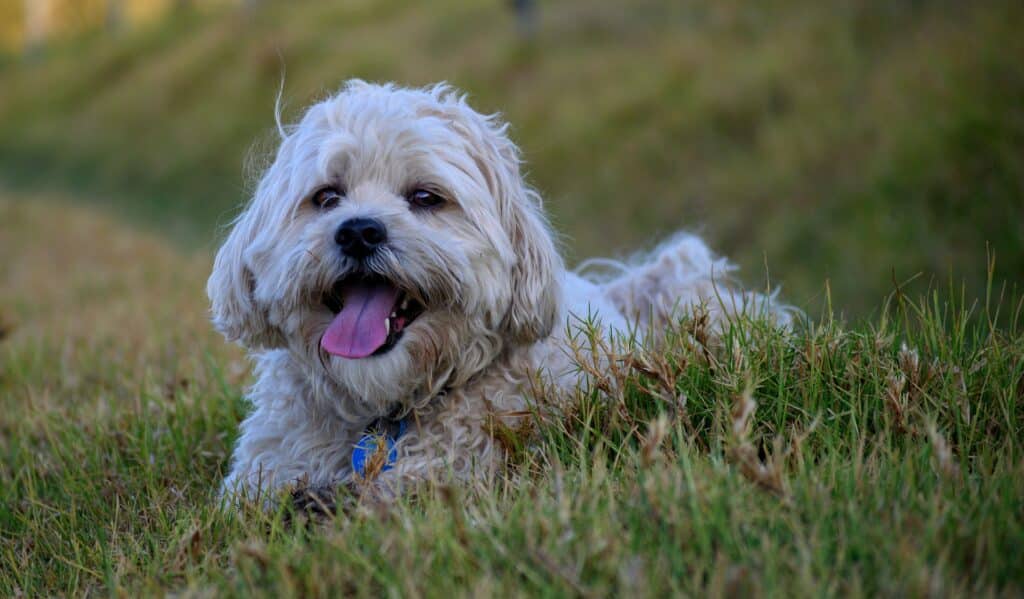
359,237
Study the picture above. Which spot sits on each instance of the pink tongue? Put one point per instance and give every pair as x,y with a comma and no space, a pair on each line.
359,330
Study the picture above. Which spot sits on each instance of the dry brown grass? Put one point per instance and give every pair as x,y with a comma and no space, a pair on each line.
96,310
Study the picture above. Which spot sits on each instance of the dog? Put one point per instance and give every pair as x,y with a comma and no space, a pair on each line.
397,284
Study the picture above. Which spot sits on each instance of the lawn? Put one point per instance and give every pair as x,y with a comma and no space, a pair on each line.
868,156
883,457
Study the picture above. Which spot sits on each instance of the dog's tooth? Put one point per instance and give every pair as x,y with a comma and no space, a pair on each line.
405,302
394,314
387,325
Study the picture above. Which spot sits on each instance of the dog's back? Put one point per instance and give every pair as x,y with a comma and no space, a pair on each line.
680,275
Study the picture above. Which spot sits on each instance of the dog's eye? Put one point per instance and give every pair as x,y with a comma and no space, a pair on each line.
327,197
424,198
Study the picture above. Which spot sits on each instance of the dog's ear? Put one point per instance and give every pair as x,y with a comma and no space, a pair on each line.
231,288
536,287
536,264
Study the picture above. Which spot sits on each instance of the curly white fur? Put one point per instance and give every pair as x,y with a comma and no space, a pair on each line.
484,265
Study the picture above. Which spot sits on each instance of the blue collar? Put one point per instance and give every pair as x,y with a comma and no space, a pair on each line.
382,433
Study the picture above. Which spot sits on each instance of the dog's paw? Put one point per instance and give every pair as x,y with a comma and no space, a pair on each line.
314,503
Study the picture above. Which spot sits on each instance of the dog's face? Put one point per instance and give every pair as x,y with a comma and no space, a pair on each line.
392,247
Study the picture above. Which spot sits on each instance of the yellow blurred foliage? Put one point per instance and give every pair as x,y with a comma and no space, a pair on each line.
27,23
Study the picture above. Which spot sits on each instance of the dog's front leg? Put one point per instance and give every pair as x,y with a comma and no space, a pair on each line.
282,449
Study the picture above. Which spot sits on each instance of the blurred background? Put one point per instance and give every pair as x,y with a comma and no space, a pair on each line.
849,145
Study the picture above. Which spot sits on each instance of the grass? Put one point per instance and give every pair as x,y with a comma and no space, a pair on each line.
868,152
860,142
879,457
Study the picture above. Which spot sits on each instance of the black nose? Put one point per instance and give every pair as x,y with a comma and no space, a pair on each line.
359,237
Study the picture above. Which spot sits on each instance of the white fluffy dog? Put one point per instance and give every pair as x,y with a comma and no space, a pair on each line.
397,283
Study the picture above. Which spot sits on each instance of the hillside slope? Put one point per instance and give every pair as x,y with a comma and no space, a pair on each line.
860,143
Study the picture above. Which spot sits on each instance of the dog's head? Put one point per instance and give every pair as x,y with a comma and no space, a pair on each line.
392,247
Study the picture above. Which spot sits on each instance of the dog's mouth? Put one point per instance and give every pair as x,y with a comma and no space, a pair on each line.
371,313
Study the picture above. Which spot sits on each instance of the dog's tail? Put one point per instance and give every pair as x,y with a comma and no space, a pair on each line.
681,275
